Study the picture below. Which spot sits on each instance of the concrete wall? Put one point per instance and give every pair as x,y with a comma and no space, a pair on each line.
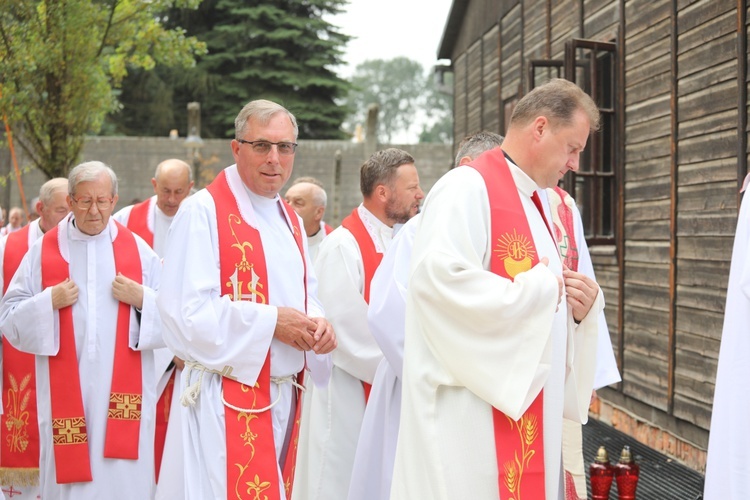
135,158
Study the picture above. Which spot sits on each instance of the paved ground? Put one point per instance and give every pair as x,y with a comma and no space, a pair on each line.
661,477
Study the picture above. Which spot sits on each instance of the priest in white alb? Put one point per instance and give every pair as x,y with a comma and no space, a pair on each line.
239,305
728,465
308,198
150,219
346,263
493,358
19,426
372,469
83,301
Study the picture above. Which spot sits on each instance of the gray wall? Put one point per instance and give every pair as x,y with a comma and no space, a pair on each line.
135,158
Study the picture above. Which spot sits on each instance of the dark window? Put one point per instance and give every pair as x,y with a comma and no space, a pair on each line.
592,65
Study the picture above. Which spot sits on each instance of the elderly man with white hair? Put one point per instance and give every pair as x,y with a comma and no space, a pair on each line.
83,302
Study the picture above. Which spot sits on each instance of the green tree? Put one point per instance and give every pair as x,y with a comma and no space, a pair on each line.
395,85
282,50
408,98
61,62
439,110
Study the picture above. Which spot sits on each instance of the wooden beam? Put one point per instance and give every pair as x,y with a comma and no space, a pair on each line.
742,94
673,140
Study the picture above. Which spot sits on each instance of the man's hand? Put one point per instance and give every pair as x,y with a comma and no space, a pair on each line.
545,261
64,294
178,363
325,338
294,328
127,291
581,292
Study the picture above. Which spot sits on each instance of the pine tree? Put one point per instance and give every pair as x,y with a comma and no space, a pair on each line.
282,50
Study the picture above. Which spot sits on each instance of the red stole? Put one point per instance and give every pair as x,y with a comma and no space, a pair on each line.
370,261
19,429
138,221
163,407
251,471
328,229
69,435
519,445
561,204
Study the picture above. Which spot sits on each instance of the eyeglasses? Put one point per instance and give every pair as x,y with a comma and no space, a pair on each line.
264,147
85,203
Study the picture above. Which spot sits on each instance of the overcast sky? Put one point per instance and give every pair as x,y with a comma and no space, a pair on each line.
384,29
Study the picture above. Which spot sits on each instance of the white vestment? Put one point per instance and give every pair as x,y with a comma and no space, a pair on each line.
204,327
314,241
728,465
329,438
172,473
376,449
31,325
372,469
475,340
18,492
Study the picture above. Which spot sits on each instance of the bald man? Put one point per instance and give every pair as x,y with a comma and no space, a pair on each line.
150,220
309,199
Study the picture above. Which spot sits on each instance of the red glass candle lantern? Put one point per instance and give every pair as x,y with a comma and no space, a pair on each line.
626,475
601,474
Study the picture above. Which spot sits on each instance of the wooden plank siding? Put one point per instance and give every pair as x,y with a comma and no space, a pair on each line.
683,148
474,90
510,57
459,98
535,30
707,138
647,185
490,80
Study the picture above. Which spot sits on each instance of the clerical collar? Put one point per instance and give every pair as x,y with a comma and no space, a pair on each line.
507,157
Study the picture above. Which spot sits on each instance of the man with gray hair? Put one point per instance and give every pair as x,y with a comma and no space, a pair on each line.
239,306
83,302
19,429
308,198
347,260
150,219
15,221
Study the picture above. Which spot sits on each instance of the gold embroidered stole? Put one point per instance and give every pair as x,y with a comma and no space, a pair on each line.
19,429
252,468
519,445
69,435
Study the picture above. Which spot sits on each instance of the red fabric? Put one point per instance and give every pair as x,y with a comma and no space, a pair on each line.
370,261
163,407
69,436
250,442
370,256
70,439
126,395
138,221
328,229
519,445
561,201
19,431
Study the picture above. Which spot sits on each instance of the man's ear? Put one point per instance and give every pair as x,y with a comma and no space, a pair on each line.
319,213
381,192
540,125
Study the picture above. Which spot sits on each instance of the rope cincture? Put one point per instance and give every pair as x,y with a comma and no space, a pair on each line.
190,395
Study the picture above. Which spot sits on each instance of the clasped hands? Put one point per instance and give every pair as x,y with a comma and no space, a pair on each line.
296,329
123,289
580,291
